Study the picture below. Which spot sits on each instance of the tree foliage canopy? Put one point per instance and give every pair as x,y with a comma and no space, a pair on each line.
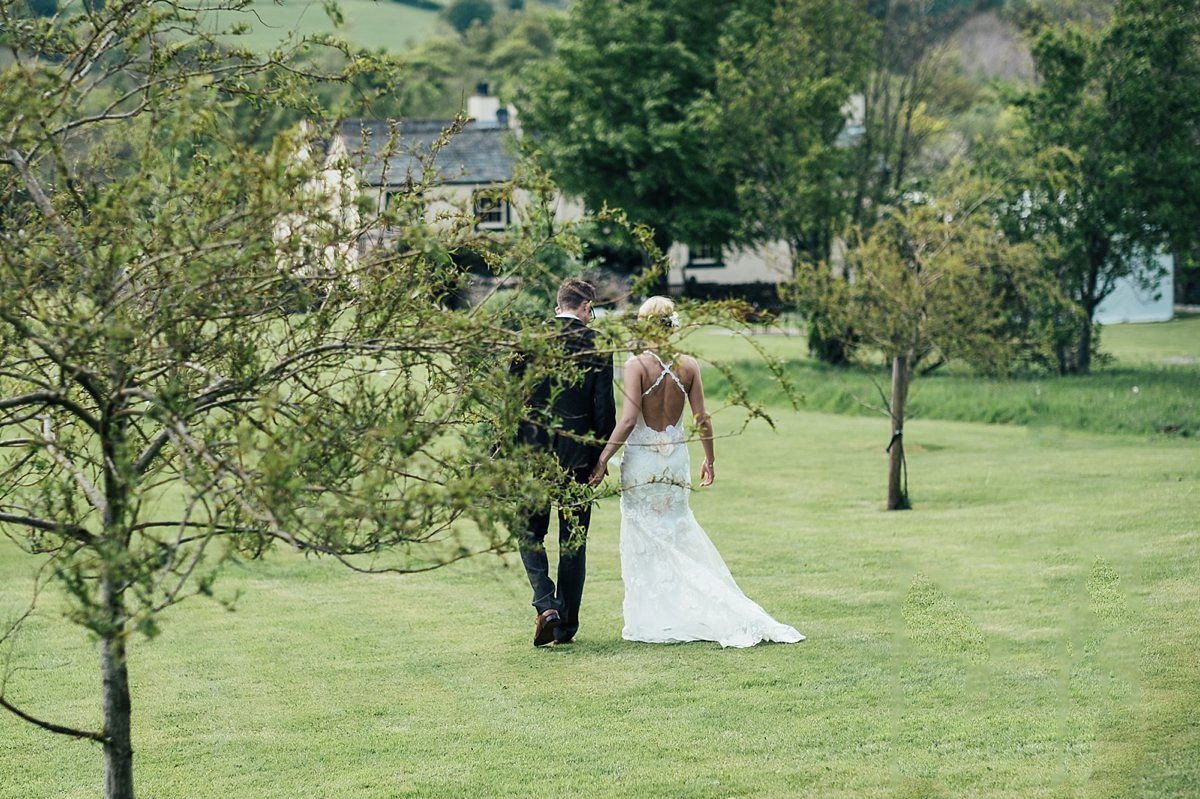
1111,132
199,363
617,115
462,14
933,281
783,81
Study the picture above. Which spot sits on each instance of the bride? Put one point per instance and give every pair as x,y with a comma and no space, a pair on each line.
677,587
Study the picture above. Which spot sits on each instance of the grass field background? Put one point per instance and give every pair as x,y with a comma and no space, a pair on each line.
371,24
1029,630
1148,382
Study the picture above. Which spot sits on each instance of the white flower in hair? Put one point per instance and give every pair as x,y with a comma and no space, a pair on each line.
675,319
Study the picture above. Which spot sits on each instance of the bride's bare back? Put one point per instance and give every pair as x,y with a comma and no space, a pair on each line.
664,386
655,392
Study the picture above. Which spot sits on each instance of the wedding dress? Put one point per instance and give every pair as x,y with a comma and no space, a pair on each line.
677,587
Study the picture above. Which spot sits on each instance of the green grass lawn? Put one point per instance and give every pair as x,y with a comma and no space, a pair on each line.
1149,385
373,24
1030,630
1158,343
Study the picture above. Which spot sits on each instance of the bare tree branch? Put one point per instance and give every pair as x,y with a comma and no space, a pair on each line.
51,398
342,558
81,534
87,381
46,207
62,460
58,728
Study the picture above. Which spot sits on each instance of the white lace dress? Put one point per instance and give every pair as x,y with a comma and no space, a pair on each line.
677,587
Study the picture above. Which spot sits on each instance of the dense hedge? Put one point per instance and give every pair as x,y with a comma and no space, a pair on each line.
764,296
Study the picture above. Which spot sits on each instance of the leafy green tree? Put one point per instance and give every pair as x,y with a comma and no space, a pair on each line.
462,14
198,364
442,71
778,122
783,81
510,44
617,115
1117,117
933,281
1152,48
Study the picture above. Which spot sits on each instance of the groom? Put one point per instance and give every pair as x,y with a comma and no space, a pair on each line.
573,419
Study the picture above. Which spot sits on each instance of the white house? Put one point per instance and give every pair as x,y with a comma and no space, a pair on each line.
333,194
470,165
478,159
728,266
474,162
1132,302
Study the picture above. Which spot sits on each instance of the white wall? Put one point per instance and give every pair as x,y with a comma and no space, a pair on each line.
767,264
1130,302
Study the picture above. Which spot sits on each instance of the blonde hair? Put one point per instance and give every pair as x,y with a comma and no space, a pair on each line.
656,306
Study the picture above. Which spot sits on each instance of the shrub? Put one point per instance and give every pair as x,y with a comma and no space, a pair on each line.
43,8
462,14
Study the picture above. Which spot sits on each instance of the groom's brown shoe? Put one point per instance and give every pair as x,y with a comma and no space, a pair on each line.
543,628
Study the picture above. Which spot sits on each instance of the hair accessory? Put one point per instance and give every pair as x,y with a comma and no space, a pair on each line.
675,319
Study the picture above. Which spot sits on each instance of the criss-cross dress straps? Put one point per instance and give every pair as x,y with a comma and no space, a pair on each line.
666,370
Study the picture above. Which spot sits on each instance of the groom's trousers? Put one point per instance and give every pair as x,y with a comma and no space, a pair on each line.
573,520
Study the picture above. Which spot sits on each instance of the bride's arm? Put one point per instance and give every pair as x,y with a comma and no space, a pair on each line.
704,423
631,406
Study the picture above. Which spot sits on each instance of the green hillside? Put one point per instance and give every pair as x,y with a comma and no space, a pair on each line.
372,24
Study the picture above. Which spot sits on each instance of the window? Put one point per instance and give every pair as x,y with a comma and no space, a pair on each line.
491,211
702,255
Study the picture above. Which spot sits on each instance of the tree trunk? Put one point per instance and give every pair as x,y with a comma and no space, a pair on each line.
1084,362
1098,249
115,700
118,749
897,493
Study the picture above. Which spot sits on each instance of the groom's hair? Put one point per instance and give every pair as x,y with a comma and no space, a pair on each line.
574,292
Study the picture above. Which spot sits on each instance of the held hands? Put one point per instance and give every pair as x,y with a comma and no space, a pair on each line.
706,474
598,473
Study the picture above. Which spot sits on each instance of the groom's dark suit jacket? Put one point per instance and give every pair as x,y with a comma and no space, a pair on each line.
574,418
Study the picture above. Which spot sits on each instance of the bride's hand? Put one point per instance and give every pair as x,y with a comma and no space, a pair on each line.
598,474
706,474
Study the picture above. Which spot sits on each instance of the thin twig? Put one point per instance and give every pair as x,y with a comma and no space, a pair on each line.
58,728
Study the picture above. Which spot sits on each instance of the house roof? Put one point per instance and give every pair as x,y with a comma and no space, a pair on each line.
477,154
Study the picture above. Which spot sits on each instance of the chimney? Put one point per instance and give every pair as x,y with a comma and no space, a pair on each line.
481,106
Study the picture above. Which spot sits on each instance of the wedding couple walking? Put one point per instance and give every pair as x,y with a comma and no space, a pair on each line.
677,587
